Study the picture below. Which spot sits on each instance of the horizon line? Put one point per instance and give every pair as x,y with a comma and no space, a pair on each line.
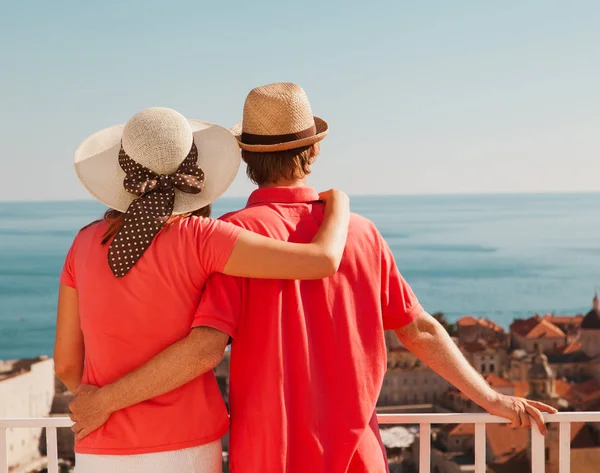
440,194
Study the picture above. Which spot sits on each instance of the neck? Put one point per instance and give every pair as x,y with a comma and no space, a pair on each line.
285,183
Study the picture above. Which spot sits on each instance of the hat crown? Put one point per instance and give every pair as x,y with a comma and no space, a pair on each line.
277,109
158,139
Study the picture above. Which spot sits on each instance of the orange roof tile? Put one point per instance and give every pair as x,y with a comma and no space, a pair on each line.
572,347
575,394
585,460
505,442
545,329
564,319
563,389
521,388
466,321
496,381
462,429
470,321
586,391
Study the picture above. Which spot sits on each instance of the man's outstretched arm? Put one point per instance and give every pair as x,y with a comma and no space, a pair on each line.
429,341
175,366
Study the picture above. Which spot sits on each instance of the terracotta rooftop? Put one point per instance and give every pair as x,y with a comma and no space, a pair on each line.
506,442
572,347
467,321
585,460
536,327
470,321
564,319
461,429
578,395
496,381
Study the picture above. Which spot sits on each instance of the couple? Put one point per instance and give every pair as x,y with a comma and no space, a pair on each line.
151,295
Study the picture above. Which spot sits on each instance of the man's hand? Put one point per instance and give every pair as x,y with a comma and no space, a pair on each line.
519,411
89,410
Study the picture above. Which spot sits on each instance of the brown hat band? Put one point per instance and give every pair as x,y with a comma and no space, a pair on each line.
251,139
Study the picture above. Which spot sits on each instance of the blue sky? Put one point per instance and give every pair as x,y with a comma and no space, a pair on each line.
421,97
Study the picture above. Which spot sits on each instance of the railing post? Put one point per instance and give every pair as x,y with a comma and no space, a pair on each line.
3,450
564,452
52,449
538,453
480,445
424,448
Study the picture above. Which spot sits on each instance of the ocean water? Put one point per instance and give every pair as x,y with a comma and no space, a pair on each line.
498,256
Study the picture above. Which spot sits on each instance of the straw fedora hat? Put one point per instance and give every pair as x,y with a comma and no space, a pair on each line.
160,140
278,117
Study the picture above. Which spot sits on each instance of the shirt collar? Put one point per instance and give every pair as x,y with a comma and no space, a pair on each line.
283,195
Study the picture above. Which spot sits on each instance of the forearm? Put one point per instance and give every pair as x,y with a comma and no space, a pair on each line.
430,342
71,380
332,234
173,367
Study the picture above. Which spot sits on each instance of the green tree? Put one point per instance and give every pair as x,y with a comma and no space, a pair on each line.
450,327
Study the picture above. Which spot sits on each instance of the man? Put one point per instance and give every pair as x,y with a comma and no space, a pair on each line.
307,357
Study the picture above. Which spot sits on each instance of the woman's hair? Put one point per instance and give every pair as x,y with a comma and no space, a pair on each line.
115,220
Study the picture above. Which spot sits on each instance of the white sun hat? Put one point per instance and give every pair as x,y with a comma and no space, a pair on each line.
159,139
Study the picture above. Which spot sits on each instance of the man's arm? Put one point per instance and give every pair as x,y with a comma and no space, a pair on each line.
429,341
175,366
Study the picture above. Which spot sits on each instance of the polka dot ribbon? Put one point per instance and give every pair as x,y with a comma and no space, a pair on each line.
153,206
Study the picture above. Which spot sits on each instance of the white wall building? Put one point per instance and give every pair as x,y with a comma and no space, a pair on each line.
26,390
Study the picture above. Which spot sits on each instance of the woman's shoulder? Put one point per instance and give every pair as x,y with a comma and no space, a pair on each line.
196,229
197,224
93,230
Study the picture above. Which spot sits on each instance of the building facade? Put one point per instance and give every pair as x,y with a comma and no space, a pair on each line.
26,390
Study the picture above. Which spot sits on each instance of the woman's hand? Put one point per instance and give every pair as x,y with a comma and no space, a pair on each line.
256,256
333,196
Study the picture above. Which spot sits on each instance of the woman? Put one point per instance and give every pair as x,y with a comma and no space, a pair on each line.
132,281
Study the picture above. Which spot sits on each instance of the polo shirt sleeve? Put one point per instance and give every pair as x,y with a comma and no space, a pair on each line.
215,242
220,305
67,276
399,304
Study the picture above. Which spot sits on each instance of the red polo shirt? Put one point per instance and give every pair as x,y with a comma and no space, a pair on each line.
308,357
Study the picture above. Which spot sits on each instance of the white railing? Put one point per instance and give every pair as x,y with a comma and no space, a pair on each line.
424,421
538,456
50,423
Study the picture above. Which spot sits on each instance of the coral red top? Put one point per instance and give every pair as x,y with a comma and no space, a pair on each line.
127,321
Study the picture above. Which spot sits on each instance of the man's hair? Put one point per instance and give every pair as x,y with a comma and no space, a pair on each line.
268,168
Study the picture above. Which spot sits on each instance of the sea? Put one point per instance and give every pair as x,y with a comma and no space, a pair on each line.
495,256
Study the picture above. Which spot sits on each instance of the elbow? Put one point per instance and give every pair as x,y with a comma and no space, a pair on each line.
332,263
207,362
67,371
216,359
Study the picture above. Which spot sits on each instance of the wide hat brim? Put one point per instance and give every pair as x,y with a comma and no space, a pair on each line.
321,132
97,167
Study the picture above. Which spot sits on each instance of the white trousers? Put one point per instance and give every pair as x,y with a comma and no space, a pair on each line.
202,459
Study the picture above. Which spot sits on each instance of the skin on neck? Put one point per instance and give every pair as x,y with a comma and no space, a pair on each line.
286,183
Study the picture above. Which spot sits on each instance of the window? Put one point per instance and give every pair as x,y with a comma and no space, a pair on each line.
492,367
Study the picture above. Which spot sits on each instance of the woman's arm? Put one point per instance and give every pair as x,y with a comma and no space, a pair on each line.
68,346
256,256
